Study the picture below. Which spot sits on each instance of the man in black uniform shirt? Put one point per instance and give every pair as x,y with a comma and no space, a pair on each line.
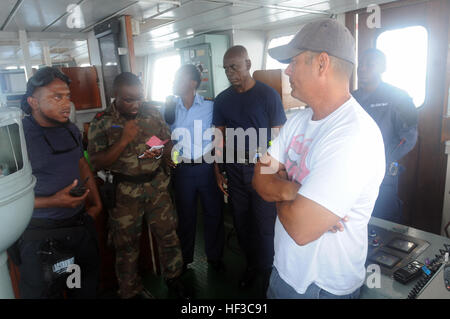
248,104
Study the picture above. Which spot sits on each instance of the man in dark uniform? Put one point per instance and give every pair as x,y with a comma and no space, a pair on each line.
194,176
248,104
117,142
60,225
394,112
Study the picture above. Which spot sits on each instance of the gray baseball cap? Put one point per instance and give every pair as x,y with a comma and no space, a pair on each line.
322,35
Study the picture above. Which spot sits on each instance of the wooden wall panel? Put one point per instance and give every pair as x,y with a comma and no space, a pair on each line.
270,77
445,129
130,43
280,82
84,87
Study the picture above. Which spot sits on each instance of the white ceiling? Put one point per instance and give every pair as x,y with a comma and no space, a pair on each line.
160,23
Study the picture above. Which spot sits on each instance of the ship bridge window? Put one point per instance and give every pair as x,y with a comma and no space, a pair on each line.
406,60
164,71
272,64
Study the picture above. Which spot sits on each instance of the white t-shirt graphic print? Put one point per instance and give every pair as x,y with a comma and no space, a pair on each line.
340,163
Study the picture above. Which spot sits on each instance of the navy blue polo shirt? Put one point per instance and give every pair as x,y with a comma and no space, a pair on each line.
54,153
259,107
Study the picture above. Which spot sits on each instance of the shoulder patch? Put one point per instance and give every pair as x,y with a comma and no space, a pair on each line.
99,115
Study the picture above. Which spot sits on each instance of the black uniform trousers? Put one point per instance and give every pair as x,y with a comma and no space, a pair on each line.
81,240
192,181
254,218
388,205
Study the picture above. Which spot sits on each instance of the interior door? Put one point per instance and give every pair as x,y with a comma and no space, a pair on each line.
84,89
421,187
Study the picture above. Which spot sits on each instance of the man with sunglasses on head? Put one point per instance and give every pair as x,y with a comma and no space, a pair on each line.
61,231
117,142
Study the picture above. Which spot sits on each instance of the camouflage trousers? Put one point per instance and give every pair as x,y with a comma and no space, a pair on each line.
136,203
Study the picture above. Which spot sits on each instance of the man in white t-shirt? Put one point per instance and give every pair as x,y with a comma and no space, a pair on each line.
324,168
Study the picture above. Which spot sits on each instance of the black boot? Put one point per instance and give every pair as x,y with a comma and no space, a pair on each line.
176,286
247,278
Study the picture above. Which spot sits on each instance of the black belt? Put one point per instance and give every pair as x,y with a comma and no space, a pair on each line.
189,162
41,228
137,179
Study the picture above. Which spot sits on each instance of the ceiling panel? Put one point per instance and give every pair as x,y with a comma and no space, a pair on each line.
34,15
305,3
283,3
287,22
193,17
92,12
263,16
254,18
221,18
143,10
267,2
335,6
192,22
323,6
273,20
235,21
6,8
189,9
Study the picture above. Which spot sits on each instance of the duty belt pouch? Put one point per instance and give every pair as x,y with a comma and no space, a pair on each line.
54,255
108,194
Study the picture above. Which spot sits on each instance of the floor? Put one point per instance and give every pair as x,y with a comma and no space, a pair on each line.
206,282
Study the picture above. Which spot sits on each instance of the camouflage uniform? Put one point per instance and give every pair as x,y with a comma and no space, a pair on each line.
150,200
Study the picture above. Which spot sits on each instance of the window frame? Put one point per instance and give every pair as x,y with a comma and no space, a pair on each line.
427,58
273,37
152,68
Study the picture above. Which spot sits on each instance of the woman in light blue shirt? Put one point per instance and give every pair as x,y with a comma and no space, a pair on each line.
193,175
